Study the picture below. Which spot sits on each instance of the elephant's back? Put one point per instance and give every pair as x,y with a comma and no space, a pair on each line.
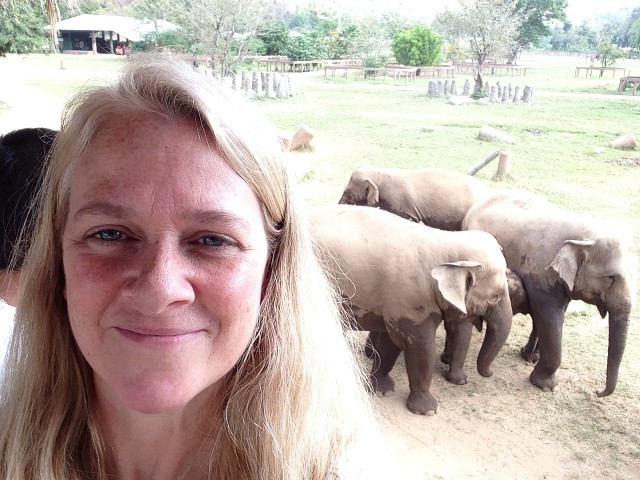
443,196
366,229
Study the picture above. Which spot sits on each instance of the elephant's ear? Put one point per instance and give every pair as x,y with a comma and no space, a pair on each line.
568,260
373,195
454,280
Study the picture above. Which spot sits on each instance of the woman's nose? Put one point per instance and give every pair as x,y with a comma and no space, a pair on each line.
161,279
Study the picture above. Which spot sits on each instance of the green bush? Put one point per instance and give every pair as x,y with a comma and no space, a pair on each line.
22,27
419,46
375,61
177,40
307,46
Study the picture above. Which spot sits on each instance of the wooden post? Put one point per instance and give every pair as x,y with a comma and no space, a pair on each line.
483,163
504,164
94,45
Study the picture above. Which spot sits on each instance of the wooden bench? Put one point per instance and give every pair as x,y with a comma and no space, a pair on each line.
629,81
588,71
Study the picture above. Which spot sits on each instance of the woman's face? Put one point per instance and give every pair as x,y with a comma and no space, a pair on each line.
164,257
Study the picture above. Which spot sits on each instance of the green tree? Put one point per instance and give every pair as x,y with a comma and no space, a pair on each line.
344,43
310,19
306,46
570,39
51,8
22,27
634,35
419,46
176,40
489,27
608,53
274,38
535,17
158,11
226,29
391,22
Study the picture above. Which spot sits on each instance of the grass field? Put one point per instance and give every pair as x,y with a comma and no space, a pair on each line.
561,151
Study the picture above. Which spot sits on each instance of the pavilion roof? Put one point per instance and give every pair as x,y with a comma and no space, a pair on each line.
128,27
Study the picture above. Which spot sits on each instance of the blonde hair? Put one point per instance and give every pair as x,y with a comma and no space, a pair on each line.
295,403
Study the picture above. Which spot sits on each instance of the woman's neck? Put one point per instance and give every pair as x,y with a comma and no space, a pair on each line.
9,281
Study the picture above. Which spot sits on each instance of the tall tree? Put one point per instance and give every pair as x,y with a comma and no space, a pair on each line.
226,28
52,10
489,27
535,16
634,35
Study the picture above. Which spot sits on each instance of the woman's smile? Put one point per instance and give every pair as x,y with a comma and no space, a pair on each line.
161,337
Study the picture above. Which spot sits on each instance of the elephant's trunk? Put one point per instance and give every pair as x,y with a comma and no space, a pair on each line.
498,328
618,330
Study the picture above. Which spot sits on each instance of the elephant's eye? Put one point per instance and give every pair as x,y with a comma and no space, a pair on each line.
495,298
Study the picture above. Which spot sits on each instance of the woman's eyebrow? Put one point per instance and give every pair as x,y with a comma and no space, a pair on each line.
216,216
205,217
104,208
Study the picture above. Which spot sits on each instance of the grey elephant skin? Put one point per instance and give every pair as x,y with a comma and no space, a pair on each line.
562,256
437,197
405,278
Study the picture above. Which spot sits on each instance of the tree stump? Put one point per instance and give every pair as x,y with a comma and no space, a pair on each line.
504,165
493,97
256,84
505,94
516,93
270,87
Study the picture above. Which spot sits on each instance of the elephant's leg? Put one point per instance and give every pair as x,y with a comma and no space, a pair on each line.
547,313
445,356
456,348
385,354
370,344
419,346
530,351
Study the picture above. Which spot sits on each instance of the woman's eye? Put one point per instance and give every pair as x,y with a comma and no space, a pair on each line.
110,235
214,240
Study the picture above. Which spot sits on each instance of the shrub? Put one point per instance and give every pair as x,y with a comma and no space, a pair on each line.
419,46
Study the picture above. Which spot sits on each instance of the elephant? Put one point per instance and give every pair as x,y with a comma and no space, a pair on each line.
562,256
405,278
437,197
458,335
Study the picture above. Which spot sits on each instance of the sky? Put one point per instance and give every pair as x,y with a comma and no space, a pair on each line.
580,10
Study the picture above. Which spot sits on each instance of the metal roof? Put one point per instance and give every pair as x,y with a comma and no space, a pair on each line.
128,27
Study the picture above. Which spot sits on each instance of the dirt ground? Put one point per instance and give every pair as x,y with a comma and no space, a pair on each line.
501,427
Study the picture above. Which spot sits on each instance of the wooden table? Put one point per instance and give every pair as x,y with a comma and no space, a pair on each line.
589,70
437,71
629,81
